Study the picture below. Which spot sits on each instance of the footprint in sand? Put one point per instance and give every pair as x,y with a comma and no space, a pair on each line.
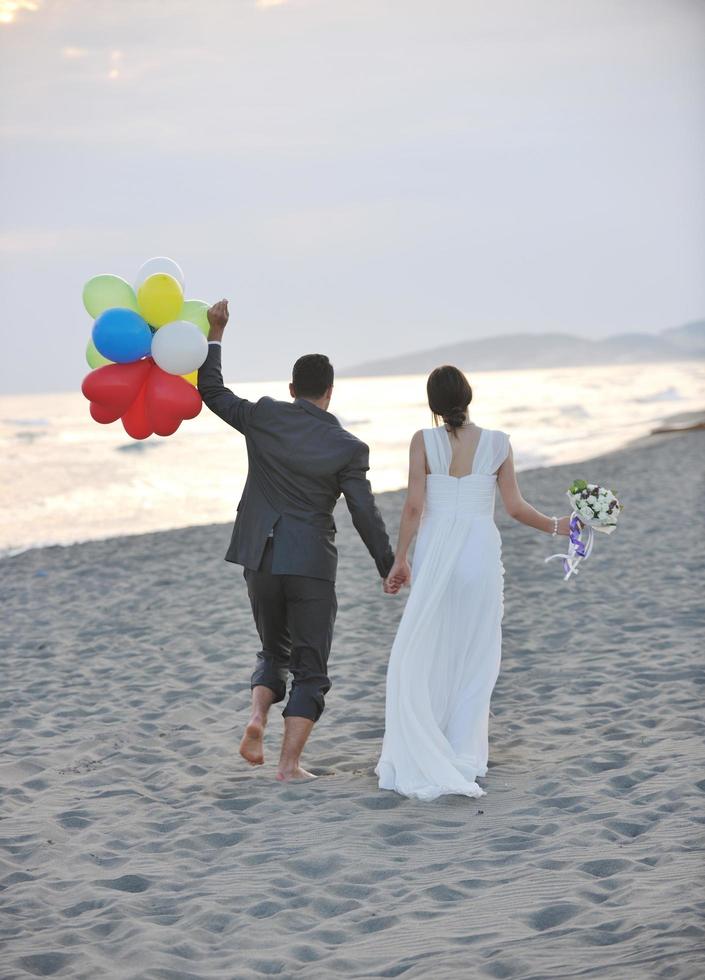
126,883
553,915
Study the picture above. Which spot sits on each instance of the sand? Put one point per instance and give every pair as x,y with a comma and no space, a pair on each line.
136,844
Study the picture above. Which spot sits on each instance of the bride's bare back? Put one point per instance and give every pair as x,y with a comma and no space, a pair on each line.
464,442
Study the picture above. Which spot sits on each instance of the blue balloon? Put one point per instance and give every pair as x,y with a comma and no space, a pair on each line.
122,335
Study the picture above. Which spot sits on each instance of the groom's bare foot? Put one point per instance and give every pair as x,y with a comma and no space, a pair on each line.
252,744
294,775
296,730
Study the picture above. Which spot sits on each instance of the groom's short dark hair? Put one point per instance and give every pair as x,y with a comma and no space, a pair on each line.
312,376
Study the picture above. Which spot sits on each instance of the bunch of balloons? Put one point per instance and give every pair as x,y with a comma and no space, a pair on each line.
146,347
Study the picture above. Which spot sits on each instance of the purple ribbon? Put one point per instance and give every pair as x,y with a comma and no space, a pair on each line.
576,527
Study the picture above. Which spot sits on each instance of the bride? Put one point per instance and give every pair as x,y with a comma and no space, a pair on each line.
446,655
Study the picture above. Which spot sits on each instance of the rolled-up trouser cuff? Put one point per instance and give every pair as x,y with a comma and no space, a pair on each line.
267,675
307,699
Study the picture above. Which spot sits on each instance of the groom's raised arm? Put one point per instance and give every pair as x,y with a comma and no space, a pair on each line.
365,516
232,409
221,400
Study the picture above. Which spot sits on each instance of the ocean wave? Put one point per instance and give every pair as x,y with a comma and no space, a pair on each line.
136,447
348,423
29,436
576,411
666,395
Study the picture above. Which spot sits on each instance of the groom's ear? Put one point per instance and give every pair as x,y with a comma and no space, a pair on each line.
292,390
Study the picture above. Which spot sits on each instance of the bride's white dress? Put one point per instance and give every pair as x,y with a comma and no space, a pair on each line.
446,655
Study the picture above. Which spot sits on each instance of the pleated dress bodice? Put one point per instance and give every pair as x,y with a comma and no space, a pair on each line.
472,495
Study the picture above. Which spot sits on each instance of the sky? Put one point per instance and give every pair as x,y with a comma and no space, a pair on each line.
358,177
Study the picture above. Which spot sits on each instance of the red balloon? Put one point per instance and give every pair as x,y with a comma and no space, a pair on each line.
114,387
134,420
146,398
169,399
103,415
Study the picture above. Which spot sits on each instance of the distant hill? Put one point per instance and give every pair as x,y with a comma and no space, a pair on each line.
513,351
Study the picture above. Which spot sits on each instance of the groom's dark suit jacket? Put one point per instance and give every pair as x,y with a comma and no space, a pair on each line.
300,461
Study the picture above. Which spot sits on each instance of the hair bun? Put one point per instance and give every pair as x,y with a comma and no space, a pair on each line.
449,394
456,417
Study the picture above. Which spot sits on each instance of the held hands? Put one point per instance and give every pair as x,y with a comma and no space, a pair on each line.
218,318
399,575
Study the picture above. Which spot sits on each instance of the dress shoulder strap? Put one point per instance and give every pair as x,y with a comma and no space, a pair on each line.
495,450
438,451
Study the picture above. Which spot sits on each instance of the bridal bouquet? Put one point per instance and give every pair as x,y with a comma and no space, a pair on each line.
594,509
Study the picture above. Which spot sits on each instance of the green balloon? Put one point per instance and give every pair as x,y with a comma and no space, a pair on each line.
196,311
94,357
103,293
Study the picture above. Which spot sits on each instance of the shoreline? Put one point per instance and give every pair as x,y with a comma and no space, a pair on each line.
342,374
671,425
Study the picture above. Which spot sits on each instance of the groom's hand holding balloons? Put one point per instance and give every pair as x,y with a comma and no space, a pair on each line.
399,576
218,319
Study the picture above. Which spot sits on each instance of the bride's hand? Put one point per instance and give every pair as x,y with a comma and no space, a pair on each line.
399,575
564,525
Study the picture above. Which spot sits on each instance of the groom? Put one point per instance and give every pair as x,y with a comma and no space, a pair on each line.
300,461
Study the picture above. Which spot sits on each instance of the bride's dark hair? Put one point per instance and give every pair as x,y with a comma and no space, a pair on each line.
449,394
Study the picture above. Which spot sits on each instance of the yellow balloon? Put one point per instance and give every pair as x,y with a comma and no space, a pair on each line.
160,298
192,378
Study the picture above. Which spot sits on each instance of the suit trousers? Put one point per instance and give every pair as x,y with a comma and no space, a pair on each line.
294,615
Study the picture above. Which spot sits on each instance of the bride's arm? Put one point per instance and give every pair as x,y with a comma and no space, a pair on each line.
520,509
410,516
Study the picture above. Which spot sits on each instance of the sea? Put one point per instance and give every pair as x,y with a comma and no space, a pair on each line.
66,479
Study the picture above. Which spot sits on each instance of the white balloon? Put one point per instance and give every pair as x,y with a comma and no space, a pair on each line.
179,347
160,263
